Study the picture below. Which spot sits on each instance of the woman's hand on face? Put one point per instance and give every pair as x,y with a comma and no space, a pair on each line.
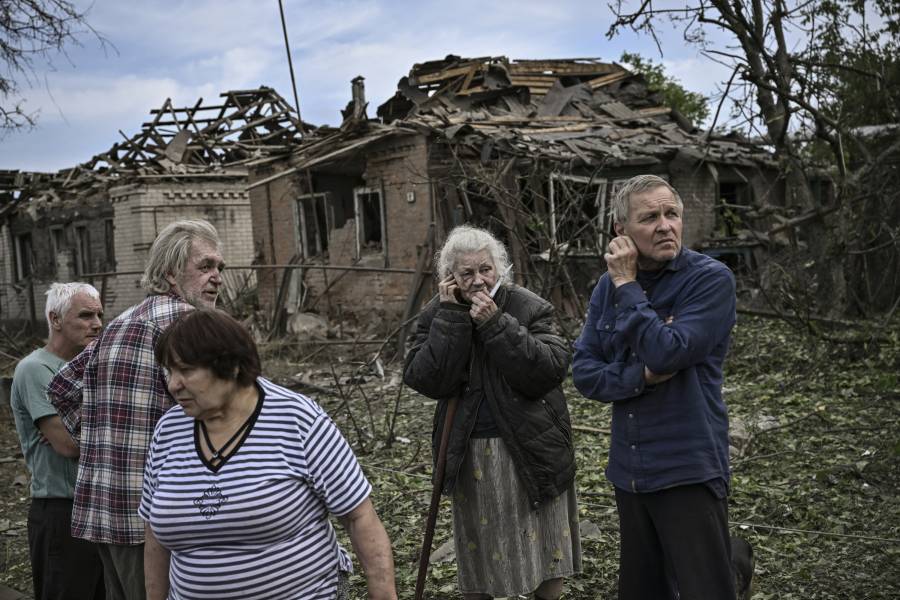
447,289
483,307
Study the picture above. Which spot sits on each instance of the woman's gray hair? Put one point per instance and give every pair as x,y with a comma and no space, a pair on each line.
171,249
621,203
466,239
59,297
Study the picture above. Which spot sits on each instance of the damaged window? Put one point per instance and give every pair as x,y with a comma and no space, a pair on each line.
82,251
24,256
57,244
369,212
578,213
312,225
734,199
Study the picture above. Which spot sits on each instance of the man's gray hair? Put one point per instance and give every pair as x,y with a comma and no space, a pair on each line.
171,249
621,203
59,297
466,239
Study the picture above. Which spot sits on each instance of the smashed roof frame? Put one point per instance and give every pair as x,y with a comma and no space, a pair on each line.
198,141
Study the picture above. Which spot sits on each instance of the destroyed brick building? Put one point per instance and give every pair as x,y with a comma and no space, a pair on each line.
346,220
95,222
531,149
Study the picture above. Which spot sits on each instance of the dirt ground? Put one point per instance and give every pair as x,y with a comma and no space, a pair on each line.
816,463
15,570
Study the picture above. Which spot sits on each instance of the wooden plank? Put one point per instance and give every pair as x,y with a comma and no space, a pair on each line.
188,109
441,75
542,130
538,80
519,119
608,79
654,111
201,138
468,80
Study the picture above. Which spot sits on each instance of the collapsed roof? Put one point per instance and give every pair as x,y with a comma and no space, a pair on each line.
198,141
581,111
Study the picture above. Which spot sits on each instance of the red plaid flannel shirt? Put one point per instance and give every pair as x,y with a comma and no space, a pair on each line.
110,397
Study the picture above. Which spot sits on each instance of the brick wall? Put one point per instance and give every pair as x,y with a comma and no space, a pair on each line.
397,168
141,213
697,189
14,298
273,227
22,300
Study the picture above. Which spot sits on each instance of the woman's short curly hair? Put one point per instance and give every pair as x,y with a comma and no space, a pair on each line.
467,239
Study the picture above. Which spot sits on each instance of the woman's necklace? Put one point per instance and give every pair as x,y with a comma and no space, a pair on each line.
217,454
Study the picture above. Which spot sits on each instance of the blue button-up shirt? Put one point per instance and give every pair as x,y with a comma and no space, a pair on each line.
675,320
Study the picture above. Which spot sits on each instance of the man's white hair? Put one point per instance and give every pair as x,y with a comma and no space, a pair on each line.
620,207
59,297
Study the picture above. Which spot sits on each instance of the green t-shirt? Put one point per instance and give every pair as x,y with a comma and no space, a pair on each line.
52,475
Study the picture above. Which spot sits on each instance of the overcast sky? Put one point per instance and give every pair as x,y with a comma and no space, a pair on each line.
185,50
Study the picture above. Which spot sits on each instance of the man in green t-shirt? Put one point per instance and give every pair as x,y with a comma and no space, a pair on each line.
62,567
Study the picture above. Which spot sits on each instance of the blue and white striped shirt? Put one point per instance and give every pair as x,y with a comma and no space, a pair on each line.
257,526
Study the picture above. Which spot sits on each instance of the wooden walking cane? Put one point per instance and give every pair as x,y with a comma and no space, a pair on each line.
439,467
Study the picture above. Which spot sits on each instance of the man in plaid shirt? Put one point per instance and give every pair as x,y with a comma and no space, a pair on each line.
112,394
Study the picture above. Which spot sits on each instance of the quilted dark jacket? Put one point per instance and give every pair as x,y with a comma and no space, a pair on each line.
514,361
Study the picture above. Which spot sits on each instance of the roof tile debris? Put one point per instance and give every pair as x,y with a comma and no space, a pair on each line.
198,141
581,111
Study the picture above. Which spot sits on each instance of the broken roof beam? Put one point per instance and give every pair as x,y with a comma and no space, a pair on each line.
248,125
441,75
603,80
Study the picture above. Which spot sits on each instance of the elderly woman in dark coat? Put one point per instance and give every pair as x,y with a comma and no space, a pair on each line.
510,462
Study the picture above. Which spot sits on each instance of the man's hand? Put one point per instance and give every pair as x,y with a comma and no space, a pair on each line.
622,260
483,307
652,378
51,428
447,289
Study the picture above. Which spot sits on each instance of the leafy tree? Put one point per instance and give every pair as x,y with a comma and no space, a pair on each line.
690,104
32,30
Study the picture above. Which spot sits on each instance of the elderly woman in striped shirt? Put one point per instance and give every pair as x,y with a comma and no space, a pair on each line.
241,477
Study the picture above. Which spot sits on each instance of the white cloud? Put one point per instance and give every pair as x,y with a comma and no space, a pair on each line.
696,73
186,49
108,100
245,67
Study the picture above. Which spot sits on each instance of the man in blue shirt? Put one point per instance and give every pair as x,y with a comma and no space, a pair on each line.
656,335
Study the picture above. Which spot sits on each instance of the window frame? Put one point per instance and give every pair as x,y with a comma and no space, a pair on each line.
358,217
600,203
